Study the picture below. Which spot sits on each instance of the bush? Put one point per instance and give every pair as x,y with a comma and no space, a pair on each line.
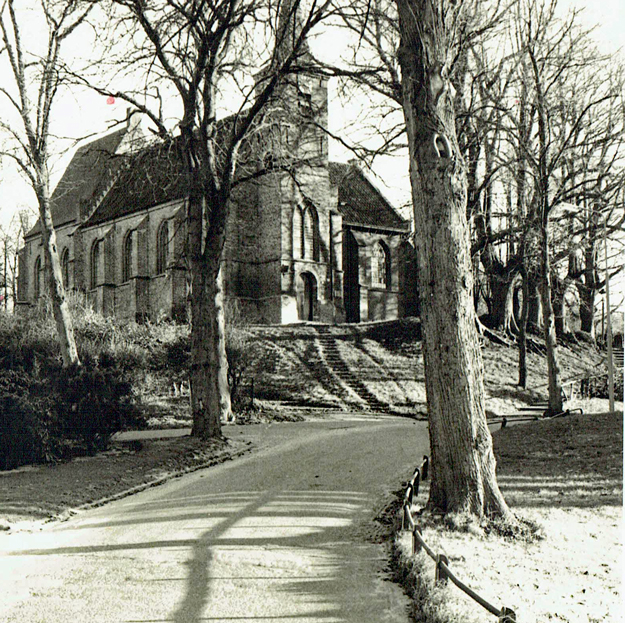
26,419
48,412
93,402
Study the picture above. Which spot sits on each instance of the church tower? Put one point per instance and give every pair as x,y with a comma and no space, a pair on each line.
293,255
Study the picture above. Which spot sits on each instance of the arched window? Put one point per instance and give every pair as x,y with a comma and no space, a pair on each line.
162,248
65,267
94,275
37,278
127,257
380,266
298,233
310,237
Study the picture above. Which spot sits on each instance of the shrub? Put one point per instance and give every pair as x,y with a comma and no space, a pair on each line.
26,419
48,412
93,402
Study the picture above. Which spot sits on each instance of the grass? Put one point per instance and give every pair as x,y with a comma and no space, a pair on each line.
564,475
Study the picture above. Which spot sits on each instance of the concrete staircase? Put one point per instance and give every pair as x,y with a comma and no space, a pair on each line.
331,356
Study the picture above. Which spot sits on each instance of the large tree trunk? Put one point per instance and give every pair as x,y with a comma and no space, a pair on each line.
54,277
210,393
522,338
463,463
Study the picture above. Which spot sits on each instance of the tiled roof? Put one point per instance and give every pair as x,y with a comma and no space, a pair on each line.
360,202
151,177
83,178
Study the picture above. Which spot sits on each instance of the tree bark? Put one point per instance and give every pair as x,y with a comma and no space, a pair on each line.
54,277
210,393
463,463
549,329
522,339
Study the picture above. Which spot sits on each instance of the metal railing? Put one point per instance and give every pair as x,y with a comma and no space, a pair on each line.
443,572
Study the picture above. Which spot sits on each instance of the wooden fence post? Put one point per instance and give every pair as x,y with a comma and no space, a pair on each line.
416,543
441,575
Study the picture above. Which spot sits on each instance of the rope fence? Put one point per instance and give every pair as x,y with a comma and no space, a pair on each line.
443,572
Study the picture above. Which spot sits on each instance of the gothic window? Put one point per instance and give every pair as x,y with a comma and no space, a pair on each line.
127,257
162,248
380,266
310,234
37,279
65,267
298,233
305,104
95,264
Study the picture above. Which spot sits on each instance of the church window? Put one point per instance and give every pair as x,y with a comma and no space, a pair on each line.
380,266
37,278
305,104
162,248
94,275
65,267
298,233
310,237
127,257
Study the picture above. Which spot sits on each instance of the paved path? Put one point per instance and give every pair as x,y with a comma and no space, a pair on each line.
281,535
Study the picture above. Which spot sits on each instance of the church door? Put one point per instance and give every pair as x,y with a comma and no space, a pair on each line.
309,298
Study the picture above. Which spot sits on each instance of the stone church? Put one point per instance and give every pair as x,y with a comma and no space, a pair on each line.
317,243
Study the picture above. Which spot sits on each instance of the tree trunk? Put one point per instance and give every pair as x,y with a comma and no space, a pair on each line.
463,463
210,394
549,329
54,278
587,308
522,339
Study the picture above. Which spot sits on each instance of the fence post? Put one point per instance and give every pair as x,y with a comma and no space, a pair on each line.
408,494
415,482
425,467
507,615
441,575
252,394
404,517
416,543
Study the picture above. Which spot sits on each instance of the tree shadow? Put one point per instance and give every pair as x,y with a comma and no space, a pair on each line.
298,554
561,491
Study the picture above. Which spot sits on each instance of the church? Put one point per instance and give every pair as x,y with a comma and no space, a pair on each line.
318,242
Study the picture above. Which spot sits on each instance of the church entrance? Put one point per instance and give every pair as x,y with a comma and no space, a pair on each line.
308,296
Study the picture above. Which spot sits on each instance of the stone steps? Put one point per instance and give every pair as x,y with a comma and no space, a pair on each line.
332,357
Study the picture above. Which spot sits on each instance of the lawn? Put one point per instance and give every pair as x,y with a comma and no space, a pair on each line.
564,475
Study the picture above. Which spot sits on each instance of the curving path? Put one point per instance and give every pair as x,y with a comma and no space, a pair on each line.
281,535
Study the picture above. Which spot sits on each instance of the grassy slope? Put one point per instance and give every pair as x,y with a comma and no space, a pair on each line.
286,366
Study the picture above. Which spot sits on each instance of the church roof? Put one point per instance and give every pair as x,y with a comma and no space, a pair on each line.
83,179
131,182
150,177
360,202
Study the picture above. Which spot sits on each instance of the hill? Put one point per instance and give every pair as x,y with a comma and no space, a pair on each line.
376,367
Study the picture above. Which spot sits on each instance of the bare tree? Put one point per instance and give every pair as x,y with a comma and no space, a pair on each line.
36,81
187,54
463,475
